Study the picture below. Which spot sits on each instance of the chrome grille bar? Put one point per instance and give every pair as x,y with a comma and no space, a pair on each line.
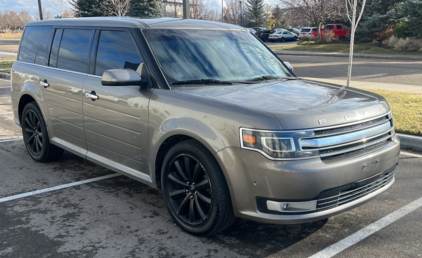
347,138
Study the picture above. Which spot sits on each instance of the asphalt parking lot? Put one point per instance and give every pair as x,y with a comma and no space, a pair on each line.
89,211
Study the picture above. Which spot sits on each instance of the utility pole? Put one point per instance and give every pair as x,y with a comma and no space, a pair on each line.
186,9
241,13
40,9
175,9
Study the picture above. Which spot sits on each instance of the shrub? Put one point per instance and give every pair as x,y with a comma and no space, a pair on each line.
328,37
403,44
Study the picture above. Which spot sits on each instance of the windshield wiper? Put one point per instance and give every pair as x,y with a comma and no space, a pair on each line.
270,77
202,81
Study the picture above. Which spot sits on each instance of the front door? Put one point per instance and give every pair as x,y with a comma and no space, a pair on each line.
62,83
116,123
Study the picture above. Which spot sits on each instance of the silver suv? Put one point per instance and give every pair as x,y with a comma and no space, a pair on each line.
205,112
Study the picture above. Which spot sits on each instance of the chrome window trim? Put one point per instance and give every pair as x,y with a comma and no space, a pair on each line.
52,68
347,137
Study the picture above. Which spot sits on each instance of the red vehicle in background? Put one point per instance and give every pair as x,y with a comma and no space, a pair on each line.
339,30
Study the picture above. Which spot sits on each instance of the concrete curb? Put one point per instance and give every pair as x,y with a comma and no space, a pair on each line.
410,141
5,76
335,54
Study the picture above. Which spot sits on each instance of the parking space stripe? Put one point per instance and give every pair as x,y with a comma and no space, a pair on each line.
368,230
11,140
6,113
55,188
411,154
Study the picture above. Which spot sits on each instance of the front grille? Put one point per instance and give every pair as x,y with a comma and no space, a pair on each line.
355,191
335,141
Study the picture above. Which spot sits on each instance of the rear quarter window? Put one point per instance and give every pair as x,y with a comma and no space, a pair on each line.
34,45
73,51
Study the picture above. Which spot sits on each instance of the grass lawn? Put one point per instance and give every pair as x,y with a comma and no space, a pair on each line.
6,65
407,111
342,48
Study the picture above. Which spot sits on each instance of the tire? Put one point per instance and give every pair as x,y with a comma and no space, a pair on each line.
283,40
35,135
295,38
195,191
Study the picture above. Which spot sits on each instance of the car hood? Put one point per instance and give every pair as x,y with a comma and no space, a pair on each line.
299,104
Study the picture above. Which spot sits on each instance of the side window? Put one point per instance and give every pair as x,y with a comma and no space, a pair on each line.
55,47
116,50
34,45
74,49
339,27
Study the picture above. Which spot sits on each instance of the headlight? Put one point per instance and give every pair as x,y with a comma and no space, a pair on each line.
279,145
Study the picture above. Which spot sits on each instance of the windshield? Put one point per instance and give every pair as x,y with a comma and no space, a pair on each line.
212,56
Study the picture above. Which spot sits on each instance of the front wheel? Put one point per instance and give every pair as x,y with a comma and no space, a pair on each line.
195,191
283,40
35,135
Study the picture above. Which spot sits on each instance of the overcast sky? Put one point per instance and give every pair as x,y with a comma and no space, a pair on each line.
53,5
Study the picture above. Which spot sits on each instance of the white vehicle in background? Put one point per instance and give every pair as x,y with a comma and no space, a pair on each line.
308,31
283,36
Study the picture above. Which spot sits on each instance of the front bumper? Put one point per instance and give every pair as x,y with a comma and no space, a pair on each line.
251,176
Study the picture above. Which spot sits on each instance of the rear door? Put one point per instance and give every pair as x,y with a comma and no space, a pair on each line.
62,82
116,123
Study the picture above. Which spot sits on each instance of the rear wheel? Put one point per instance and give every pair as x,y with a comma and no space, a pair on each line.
195,191
35,135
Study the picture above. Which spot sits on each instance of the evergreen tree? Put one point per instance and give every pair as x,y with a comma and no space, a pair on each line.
410,25
145,8
89,8
255,12
379,17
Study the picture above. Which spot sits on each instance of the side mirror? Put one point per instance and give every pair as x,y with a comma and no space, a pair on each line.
122,77
289,65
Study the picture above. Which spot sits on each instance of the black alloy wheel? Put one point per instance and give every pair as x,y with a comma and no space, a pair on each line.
189,189
35,135
195,191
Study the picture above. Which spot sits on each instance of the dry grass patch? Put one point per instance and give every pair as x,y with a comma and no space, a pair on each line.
9,35
6,65
407,111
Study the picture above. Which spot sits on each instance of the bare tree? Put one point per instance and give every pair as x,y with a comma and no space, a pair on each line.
68,13
10,20
46,15
317,11
198,9
351,10
25,17
118,7
232,11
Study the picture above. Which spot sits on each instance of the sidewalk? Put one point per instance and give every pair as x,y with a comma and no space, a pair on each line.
356,55
372,85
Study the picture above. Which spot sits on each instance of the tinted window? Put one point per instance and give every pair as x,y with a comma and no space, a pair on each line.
34,45
116,50
74,50
339,27
55,47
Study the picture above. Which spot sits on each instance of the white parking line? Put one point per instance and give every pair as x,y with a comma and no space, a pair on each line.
55,188
4,87
368,230
411,154
6,113
11,140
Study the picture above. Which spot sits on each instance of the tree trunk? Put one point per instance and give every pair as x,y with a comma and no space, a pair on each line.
352,44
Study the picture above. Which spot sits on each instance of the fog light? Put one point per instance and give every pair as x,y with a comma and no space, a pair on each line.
292,206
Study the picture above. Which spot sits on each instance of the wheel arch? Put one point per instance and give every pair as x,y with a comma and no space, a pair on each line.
171,140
